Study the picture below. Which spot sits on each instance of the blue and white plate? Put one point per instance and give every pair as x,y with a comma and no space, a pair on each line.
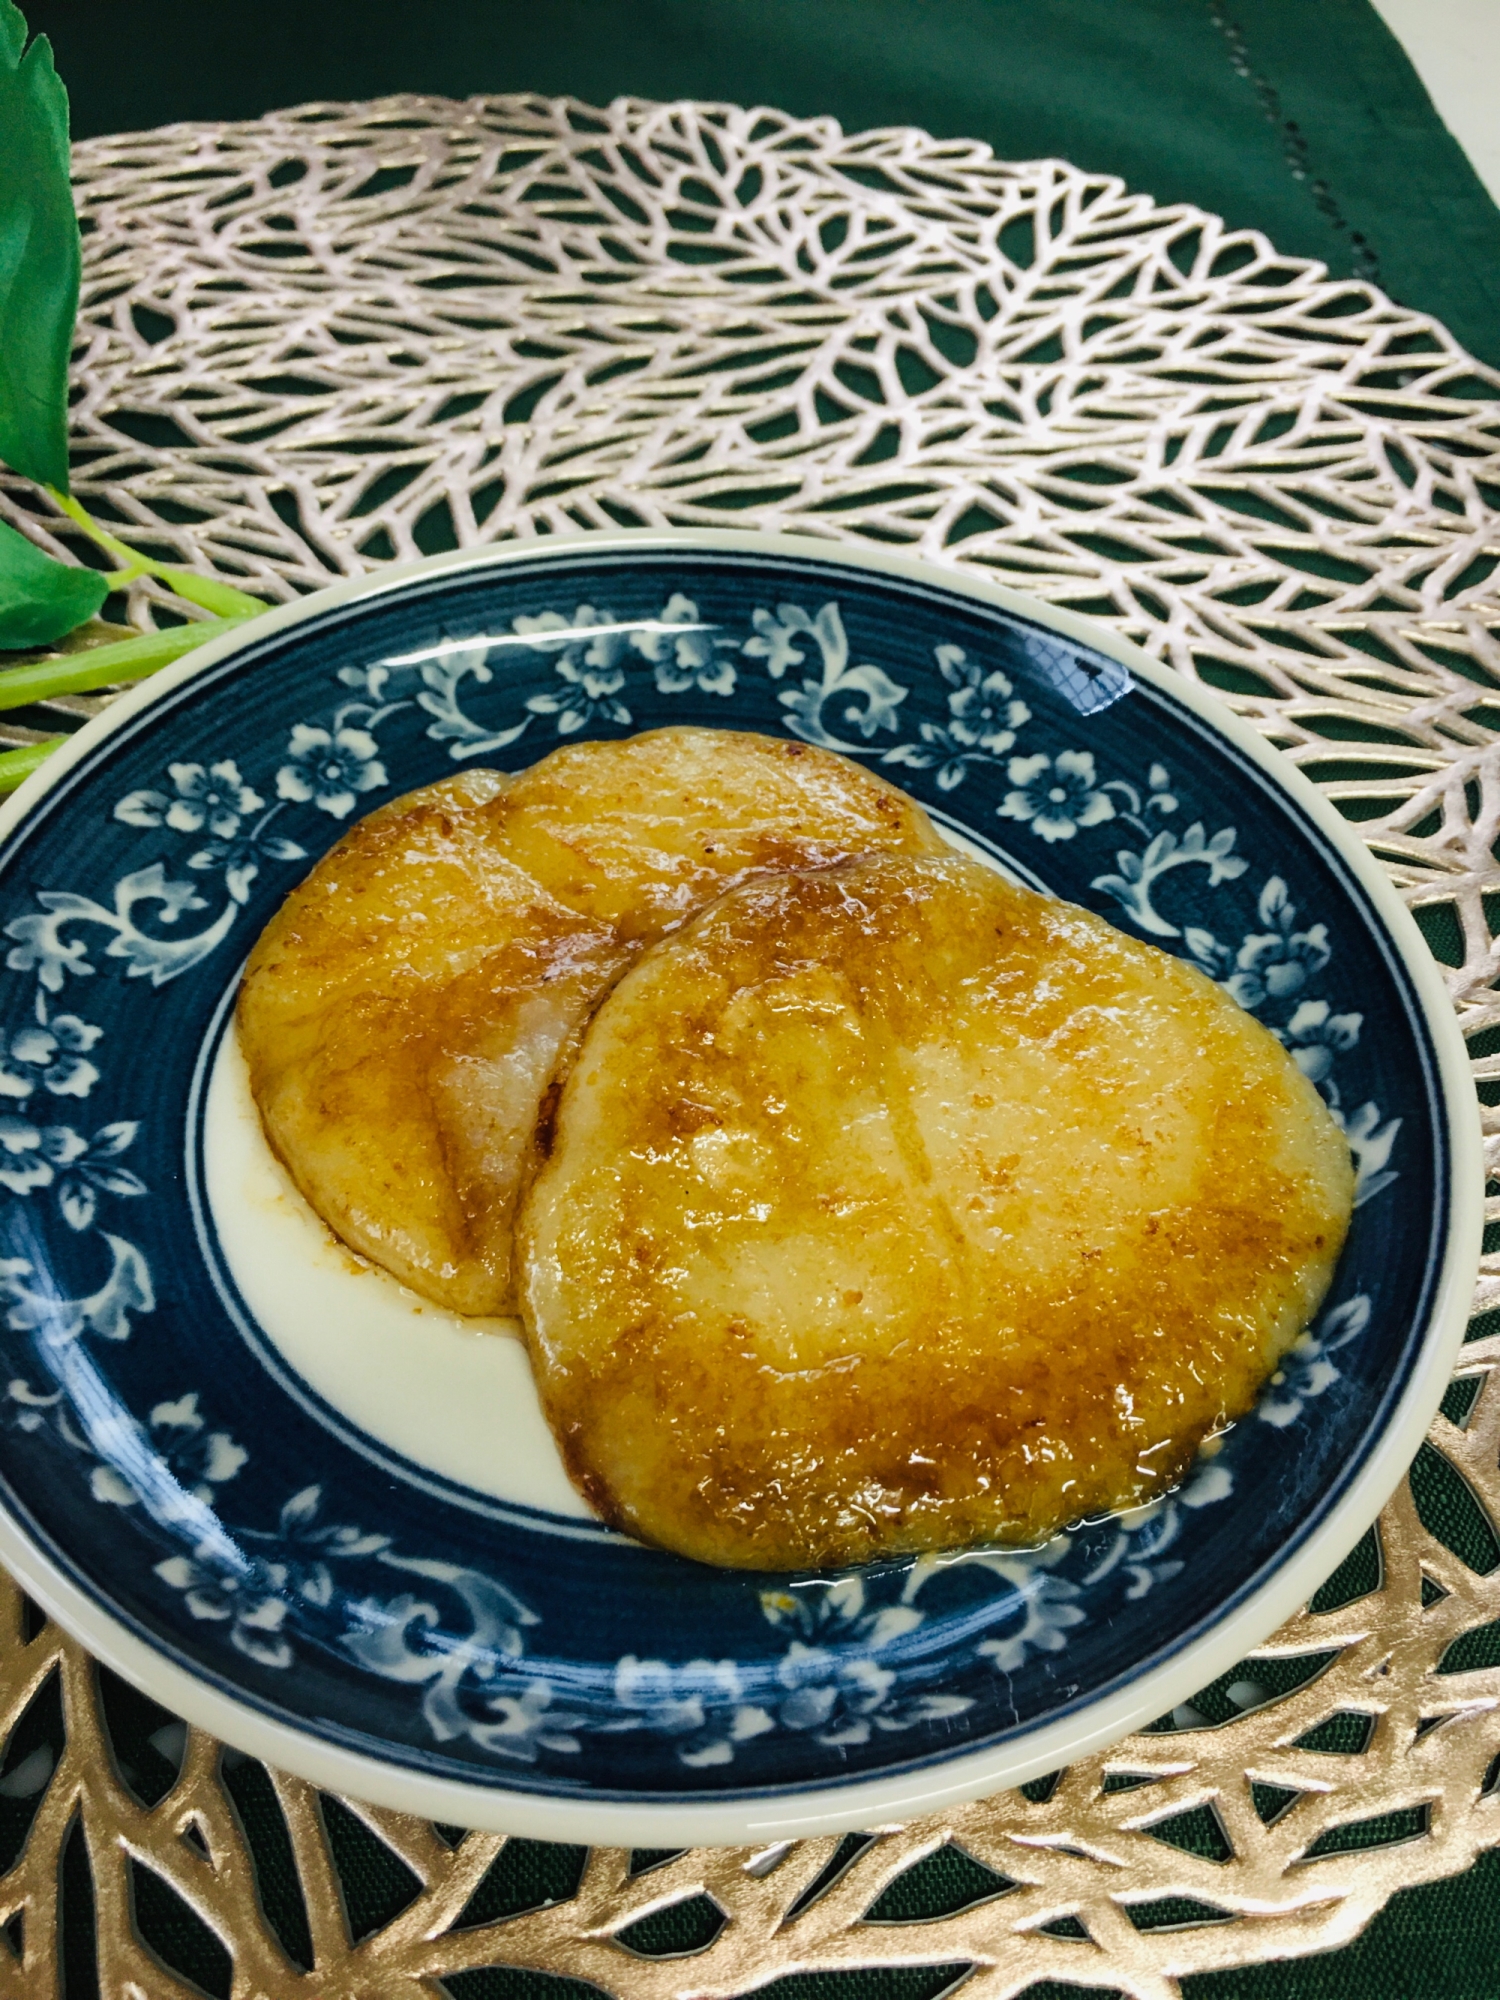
327,1521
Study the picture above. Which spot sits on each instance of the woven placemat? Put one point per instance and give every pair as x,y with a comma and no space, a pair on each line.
348,333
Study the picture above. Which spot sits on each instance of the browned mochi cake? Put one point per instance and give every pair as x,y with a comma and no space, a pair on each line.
897,1208
404,1011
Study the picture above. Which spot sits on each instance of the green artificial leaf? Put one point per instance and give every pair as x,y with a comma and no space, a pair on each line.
39,257
41,599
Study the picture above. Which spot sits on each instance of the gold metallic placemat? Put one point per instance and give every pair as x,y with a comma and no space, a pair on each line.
344,334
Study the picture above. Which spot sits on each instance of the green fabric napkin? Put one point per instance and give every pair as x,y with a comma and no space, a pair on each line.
1300,117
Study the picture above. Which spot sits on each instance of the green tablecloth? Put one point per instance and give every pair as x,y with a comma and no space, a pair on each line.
1299,117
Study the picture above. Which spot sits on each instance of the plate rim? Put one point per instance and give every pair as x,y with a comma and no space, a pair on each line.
930,1788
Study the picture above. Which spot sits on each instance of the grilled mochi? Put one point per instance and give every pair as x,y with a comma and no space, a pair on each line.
404,1012
898,1208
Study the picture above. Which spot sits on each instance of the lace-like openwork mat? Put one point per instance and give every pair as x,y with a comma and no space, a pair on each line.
348,333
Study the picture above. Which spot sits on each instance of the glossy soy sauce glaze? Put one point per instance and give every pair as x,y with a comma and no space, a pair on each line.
898,1208
409,1006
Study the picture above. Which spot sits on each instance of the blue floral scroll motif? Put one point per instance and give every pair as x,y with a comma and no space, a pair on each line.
1144,1535
77,1170
1278,962
217,798
688,656
330,768
984,718
34,1307
1139,872
590,646
865,697
1306,1370
1057,796
49,1053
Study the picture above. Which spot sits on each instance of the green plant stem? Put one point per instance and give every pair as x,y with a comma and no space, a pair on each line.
106,666
99,666
17,765
221,598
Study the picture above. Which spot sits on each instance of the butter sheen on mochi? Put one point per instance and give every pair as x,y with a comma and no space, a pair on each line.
894,1208
406,1011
